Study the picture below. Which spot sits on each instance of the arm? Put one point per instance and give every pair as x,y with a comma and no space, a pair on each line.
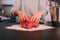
43,8
15,10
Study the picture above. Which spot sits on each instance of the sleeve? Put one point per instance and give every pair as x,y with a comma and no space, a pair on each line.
16,6
44,5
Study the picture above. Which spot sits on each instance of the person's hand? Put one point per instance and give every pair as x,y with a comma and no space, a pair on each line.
36,17
21,15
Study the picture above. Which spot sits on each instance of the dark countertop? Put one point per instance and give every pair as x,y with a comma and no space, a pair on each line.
7,34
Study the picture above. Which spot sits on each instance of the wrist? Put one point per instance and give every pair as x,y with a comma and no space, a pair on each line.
16,11
40,14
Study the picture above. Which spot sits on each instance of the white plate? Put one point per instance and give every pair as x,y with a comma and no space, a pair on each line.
18,27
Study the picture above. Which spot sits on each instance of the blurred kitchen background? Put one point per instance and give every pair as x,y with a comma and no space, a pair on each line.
5,12
52,18
5,8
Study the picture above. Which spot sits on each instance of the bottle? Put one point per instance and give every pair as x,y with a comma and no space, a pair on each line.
54,14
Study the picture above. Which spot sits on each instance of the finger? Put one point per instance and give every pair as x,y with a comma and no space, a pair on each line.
32,18
23,16
20,17
27,18
36,20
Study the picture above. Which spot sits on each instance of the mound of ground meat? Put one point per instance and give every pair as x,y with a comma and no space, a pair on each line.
29,24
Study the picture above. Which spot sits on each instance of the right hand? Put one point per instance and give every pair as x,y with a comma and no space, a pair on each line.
21,15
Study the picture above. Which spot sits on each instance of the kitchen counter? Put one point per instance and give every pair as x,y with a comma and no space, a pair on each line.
12,34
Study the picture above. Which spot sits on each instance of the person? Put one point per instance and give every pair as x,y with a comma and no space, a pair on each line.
35,9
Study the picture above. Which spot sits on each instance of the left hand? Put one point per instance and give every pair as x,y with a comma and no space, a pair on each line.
36,17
